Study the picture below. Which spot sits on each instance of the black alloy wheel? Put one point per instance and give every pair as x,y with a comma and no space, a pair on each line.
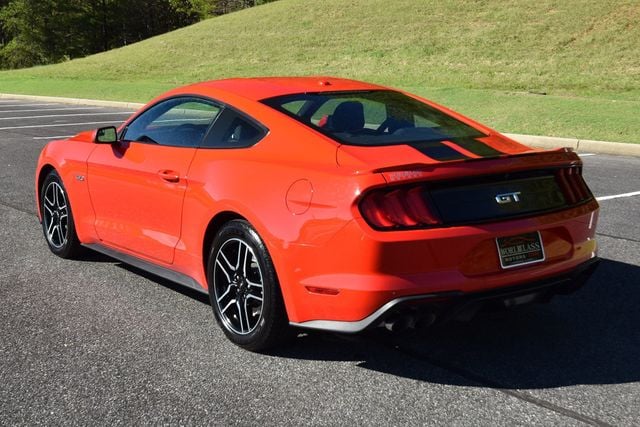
244,290
57,219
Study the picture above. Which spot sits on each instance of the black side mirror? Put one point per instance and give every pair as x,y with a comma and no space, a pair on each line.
106,135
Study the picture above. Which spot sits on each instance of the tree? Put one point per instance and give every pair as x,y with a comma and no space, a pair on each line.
34,32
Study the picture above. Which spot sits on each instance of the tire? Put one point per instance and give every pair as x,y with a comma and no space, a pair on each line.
244,290
57,219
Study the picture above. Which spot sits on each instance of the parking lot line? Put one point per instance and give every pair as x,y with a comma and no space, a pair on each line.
52,137
617,196
28,105
68,115
31,110
586,154
58,125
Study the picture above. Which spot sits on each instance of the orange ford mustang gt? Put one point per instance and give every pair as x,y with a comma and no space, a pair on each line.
321,203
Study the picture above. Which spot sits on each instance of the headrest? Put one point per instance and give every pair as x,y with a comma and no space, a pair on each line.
348,116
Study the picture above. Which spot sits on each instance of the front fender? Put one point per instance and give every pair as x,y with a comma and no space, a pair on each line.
69,159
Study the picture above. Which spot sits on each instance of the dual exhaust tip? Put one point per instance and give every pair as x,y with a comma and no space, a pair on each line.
466,307
463,312
407,321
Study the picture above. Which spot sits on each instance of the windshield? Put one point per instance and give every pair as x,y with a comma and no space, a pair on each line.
372,118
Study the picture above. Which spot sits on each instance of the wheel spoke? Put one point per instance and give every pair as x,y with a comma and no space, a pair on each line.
47,208
240,316
244,262
51,203
225,293
240,246
226,274
53,233
224,257
246,315
50,228
255,297
61,238
55,196
62,201
229,304
253,284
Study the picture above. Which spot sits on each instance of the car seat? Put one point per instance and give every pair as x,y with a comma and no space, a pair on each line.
347,117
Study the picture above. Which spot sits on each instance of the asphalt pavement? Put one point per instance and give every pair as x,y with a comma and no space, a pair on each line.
98,342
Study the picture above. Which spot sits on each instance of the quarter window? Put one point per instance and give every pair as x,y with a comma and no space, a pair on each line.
233,130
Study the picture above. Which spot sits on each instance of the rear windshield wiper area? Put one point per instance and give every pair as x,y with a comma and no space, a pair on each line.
399,137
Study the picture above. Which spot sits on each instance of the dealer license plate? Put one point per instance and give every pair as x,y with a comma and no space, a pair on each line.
520,250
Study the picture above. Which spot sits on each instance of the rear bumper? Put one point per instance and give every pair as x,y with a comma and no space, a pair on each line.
442,306
357,271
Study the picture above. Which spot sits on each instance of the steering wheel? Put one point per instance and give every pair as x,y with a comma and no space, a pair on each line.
189,132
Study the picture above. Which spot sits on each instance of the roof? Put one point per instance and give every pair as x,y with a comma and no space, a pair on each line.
258,88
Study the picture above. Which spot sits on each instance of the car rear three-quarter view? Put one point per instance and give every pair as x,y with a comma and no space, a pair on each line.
322,203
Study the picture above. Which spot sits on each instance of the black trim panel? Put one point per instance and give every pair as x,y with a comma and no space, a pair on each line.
165,273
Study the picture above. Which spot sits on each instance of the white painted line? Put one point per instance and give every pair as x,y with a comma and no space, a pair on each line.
29,105
586,154
617,196
52,137
51,109
58,125
67,115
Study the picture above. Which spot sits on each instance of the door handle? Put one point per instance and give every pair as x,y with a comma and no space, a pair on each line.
169,175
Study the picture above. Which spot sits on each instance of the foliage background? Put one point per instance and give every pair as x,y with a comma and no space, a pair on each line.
37,32
547,67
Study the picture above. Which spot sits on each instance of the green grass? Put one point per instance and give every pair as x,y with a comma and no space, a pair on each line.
487,59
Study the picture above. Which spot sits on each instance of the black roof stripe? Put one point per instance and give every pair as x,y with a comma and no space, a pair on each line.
476,147
437,151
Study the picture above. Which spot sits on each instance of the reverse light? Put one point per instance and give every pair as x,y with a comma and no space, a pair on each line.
398,208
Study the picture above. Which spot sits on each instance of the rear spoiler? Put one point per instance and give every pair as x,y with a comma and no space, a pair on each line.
554,158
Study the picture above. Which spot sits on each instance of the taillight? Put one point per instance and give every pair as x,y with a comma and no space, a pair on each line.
398,208
573,186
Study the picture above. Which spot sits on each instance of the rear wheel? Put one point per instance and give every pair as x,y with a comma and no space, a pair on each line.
244,290
57,219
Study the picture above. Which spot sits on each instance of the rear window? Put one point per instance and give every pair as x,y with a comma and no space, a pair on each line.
372,117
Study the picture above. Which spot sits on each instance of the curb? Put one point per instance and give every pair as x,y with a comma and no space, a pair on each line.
587,145
584,145
79,101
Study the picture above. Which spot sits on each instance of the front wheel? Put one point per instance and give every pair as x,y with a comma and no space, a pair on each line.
244,290
57,218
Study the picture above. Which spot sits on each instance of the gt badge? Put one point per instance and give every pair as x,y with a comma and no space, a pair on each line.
508,198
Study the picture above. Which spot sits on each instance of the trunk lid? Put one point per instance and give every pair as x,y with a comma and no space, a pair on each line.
473,190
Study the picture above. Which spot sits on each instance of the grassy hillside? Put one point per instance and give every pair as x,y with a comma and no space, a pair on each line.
568,68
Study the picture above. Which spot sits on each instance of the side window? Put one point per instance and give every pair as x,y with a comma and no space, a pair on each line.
177,122
232,130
